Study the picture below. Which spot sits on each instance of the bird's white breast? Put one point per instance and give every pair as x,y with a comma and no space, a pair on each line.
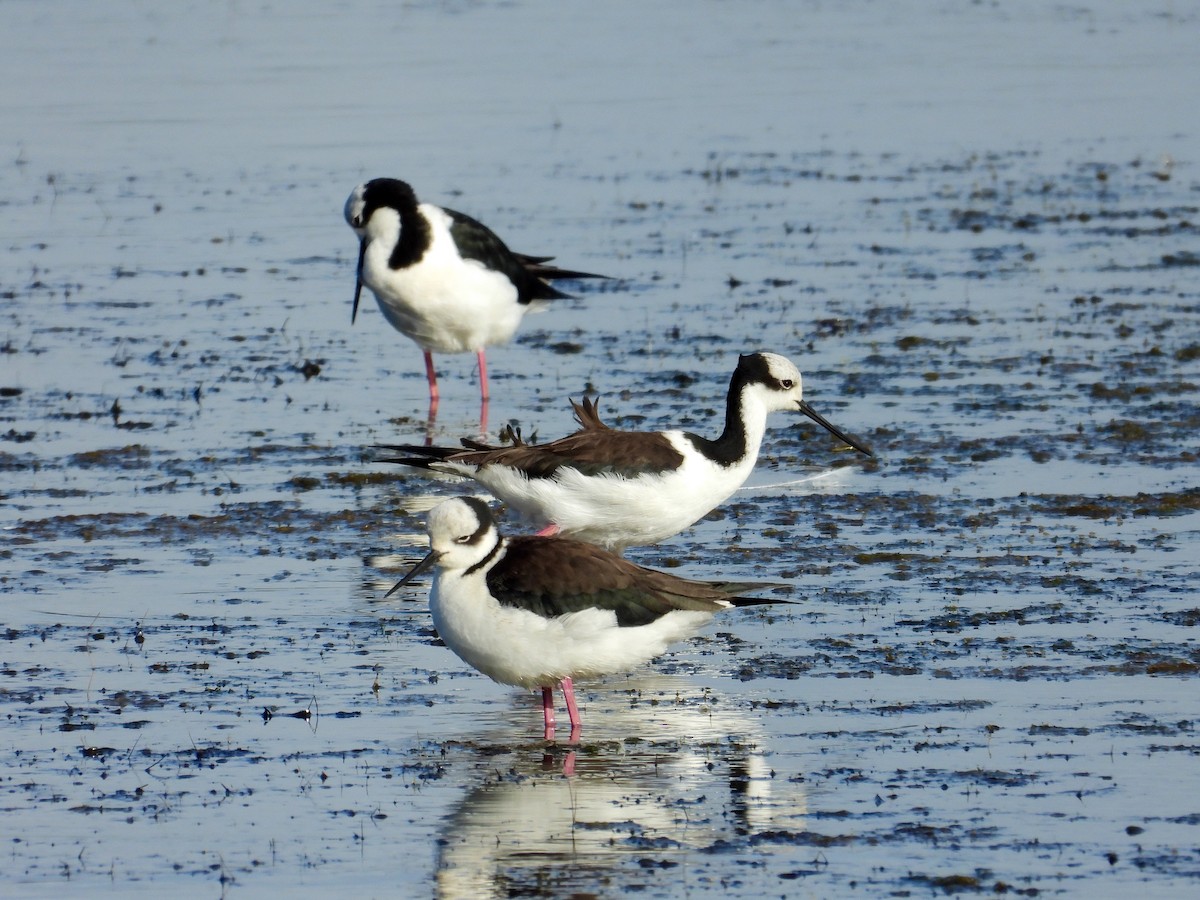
445,303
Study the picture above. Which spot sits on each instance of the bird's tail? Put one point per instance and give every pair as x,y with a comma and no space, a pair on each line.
539,266
415,455
738,592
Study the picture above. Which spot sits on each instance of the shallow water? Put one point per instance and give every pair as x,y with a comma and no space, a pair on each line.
972,226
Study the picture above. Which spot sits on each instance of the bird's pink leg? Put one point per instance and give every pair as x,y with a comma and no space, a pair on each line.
433,398
548,711
549,531
568,690
432,376
484,392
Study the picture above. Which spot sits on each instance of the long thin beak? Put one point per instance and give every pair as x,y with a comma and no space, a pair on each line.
828,426
362,251
430,559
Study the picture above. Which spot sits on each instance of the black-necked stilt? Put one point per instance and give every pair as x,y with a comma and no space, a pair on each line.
625,488
536,612
442,278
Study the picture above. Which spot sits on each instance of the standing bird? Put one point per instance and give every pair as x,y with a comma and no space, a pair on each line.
536,612
625,488
442,278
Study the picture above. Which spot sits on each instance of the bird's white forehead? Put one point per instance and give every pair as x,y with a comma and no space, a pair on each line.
355,203
452,519
781,368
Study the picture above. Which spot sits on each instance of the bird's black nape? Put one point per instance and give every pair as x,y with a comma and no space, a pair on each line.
753,369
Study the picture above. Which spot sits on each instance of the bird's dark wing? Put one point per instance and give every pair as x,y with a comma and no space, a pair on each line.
595,449
555,576
603,451
476,241
529,274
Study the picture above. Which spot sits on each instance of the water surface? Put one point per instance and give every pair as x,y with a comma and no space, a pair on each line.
973,226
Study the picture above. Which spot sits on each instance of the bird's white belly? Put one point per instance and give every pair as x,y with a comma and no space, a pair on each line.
513,646
448,305
617,512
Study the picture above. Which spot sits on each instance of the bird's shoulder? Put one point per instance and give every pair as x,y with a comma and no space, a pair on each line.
476,241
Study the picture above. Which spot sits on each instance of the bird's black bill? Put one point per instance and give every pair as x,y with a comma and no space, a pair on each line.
362,251
829,426
432,557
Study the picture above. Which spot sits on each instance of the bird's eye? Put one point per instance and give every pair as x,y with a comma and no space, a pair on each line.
788,384
357,222
464,539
